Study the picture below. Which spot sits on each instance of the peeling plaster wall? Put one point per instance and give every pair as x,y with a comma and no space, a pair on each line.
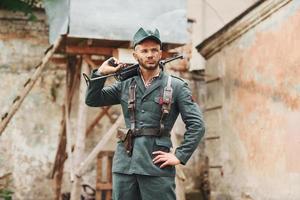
28,145
258,123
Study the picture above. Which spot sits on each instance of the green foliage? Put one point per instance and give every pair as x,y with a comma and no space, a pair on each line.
25,6
6,194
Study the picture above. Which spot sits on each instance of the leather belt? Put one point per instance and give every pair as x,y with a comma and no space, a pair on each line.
150,132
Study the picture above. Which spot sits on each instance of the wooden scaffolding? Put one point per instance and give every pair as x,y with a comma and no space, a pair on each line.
77,55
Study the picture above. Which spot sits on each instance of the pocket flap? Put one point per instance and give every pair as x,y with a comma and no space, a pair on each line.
157,100
163,141
122,133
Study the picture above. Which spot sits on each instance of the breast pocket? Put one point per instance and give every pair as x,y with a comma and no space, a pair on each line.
158,104
156,107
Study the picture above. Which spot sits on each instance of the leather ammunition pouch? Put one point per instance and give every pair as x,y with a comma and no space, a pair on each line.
126,137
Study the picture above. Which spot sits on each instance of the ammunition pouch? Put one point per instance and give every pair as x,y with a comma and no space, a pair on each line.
126,137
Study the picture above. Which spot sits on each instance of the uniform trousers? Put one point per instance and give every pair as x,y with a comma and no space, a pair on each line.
143,187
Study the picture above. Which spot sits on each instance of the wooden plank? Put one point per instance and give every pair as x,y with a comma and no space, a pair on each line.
104,186
108,195
99,147
109,169
251,17
81,134
61,156
71,84
89,61
109,176
59,60
96,120
62,143
105,51
99,177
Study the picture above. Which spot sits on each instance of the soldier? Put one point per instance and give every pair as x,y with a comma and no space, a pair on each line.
143,166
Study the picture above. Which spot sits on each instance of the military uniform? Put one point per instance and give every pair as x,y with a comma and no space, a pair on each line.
135,176
148,111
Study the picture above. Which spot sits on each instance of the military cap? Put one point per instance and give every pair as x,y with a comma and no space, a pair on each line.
143,34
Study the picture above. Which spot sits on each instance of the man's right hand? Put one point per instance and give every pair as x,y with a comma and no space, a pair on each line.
106,68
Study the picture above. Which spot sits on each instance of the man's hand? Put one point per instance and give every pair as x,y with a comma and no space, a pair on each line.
165,158
107,68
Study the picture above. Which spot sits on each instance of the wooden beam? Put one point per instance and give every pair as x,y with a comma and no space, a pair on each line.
60,158
257,13
63,61
81,133
105,51
61,144
96,120
89,61
99,147
72,81
59,60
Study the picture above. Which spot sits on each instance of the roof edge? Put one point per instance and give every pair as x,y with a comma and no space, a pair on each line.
255,14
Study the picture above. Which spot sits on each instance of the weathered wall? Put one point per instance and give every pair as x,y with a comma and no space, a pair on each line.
28,145
256,154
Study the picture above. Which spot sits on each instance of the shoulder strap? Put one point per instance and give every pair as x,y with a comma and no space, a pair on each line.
131,104
166,104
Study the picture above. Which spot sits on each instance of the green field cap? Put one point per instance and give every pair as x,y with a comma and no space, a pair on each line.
143,34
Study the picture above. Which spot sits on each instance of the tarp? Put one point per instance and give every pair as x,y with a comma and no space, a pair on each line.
117,19
58,17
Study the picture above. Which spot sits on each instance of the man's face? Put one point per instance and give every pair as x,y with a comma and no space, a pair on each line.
148,54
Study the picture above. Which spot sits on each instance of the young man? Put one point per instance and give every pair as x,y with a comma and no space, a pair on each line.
143,166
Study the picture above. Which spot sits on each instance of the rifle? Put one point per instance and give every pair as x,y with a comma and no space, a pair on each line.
127,72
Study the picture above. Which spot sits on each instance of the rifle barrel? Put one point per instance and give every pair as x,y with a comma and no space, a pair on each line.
162,62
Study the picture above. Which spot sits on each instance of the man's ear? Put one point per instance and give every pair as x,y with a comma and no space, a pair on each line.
160,54
135,56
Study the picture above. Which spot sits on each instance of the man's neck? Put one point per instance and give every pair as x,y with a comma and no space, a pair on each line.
149,74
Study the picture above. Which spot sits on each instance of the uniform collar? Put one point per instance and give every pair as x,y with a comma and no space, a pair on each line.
147,85
155,84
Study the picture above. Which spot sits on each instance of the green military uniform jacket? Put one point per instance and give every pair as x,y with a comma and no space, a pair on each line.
148,114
